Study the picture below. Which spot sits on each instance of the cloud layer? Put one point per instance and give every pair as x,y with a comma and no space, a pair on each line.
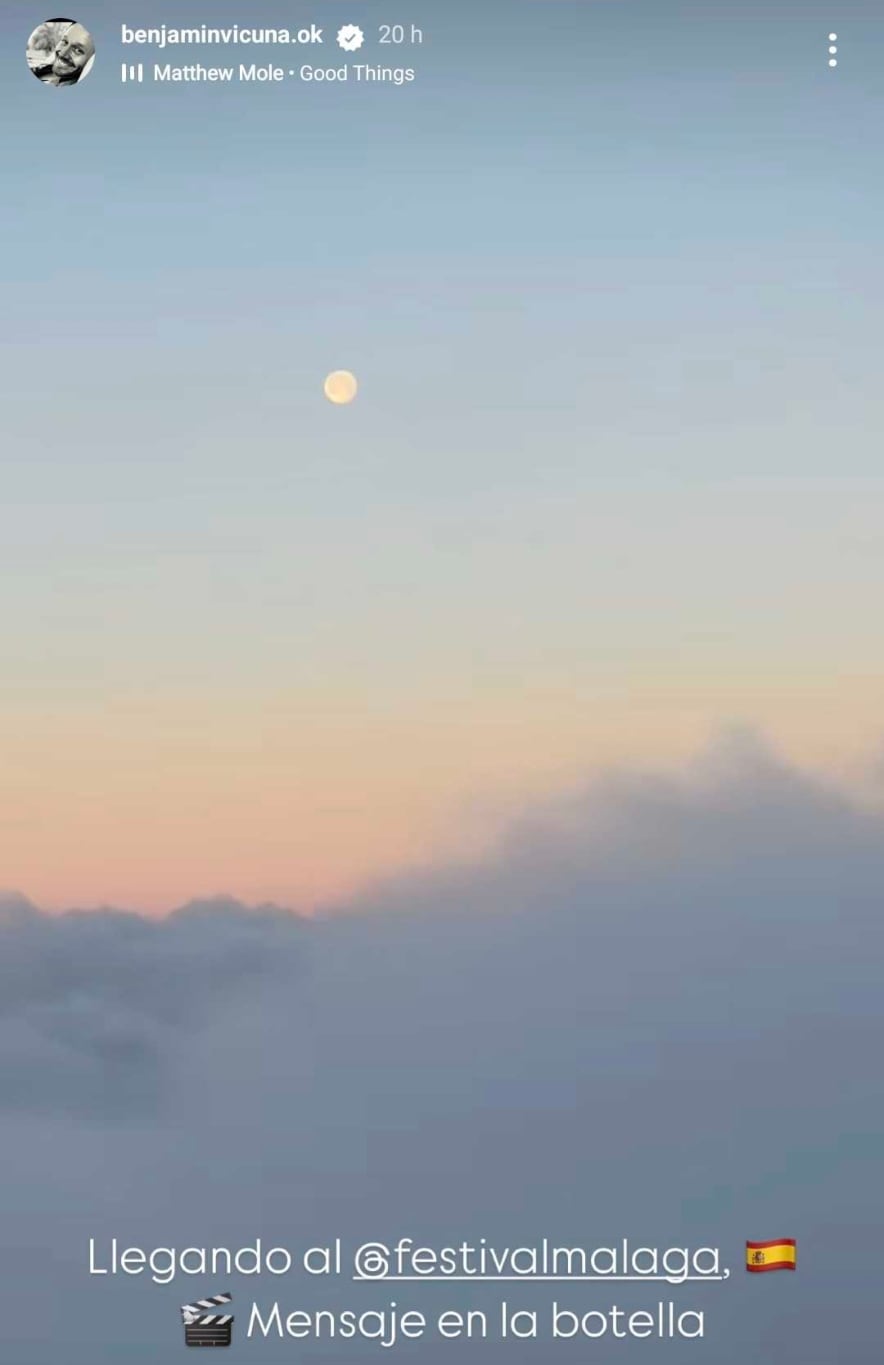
654,1011
94,1004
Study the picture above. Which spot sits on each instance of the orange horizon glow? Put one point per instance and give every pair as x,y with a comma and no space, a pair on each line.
148,805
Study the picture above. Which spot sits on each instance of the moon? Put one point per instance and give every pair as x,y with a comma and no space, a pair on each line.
340,386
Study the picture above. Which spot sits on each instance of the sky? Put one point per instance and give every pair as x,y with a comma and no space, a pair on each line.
608,274
544,680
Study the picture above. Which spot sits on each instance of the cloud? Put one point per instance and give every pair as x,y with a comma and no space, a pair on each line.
94,1003
654,1010
707,889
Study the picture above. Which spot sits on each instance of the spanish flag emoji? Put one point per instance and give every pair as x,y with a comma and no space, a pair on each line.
779,1255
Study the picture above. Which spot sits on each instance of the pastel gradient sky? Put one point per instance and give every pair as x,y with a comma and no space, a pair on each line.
610,276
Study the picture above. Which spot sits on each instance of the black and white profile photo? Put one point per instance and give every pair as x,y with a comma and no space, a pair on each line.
60,52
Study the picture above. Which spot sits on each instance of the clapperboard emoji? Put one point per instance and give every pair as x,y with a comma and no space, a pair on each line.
205,1328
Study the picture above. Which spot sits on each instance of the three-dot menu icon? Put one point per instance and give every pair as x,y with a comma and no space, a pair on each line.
833,49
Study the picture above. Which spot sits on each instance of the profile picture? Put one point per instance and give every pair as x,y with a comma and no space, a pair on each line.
60,52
